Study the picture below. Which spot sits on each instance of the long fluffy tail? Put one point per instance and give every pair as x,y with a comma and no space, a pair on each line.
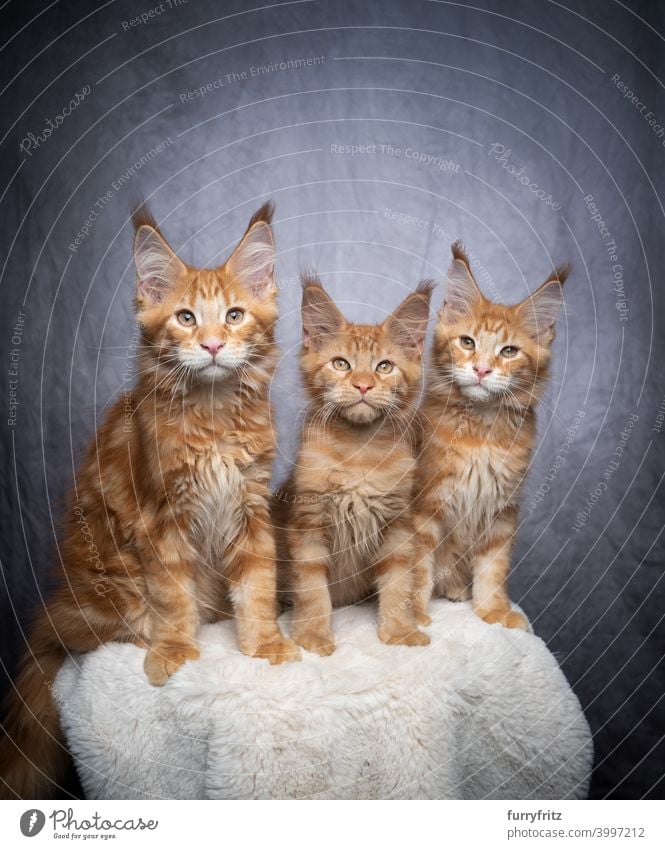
32,752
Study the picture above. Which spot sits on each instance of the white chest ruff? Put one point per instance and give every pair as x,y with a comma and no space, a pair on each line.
217,496
485,486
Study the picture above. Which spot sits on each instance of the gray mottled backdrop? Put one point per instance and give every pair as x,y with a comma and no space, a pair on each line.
383,131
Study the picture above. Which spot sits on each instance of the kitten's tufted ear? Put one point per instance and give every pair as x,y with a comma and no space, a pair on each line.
407,325
157,267
462,293
538,312
320,316
252,263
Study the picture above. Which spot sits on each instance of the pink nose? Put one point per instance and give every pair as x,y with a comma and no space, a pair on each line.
212,345
482,371
362,387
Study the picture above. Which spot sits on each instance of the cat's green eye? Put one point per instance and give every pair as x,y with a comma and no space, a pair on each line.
384,367
341,364
467,342
509,351
186,318
235,316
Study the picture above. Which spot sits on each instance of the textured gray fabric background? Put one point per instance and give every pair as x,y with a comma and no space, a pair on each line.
383,131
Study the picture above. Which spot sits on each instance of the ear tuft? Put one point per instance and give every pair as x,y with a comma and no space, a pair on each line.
459,252
309,278
425,289
320,316
462,293
143,217
265,214
561,272
253,261
407,325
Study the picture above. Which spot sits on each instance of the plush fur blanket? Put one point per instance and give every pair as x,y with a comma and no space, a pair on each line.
483,712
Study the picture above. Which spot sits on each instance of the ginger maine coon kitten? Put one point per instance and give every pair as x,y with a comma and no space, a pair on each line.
348,501
172,499
488,369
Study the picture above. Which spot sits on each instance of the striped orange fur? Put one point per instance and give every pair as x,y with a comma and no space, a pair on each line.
489,366
348,502
169,527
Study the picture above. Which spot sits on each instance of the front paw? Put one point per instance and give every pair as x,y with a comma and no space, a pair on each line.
163,659
278,650
422,618
403,637
507,618
320,642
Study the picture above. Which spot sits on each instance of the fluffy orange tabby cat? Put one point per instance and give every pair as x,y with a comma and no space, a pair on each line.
487,373
169,524
349,529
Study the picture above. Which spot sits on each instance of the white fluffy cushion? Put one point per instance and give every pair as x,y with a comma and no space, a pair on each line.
483,712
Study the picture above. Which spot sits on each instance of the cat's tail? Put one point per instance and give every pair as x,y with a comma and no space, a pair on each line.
33,756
